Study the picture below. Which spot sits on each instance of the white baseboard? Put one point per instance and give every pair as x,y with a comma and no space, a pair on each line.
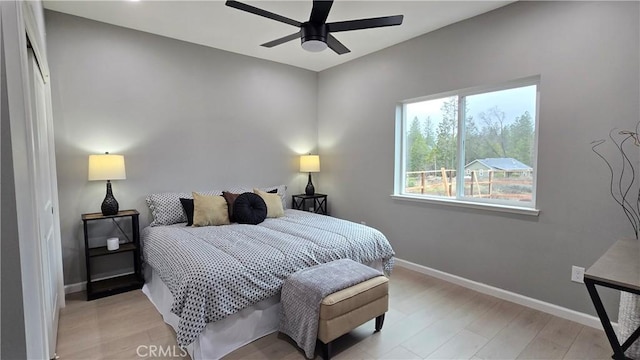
77,287
565,313
82,286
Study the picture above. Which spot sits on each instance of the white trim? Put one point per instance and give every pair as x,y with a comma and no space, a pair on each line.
77,287
400,140
474,90
469,204
82,286
565,313
459,197
461,134
31,28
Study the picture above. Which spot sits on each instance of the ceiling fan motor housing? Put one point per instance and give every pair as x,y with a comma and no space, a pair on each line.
316,32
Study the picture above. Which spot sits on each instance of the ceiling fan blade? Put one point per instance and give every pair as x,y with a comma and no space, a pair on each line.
336,45
260,12
365,23
320,11
282,40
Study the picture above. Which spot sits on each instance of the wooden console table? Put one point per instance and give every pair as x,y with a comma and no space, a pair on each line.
618,268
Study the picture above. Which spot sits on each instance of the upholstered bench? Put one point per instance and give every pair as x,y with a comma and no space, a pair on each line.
326,301
349,308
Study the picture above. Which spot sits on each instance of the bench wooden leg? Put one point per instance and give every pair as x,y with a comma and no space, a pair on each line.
379,322
326,350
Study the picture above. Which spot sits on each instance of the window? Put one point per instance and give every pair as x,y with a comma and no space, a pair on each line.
488,135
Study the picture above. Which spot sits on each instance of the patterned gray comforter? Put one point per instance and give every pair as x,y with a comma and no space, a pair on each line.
216,271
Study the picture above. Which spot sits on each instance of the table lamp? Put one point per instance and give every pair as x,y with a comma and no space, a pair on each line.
107,167
309,163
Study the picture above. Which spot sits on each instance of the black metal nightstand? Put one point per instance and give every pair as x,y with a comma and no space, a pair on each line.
121,283
316,203
616,269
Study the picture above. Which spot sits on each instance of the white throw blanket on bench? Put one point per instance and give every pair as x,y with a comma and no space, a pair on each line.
302,294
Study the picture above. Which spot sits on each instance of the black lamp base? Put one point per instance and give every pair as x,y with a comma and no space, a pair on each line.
109,205
309,190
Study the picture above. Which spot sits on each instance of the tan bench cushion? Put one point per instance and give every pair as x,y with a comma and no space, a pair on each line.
353,297
331,329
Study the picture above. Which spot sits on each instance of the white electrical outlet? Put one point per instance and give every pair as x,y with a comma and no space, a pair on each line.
577,274
363,223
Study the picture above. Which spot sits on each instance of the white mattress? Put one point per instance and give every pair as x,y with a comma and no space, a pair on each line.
221,337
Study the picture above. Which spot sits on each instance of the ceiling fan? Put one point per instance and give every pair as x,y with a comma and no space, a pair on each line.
316,33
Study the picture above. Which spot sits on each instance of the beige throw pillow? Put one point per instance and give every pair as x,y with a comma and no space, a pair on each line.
274,203
209,210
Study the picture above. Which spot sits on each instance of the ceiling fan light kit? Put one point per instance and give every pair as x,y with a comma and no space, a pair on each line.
315,34
314,38
314,45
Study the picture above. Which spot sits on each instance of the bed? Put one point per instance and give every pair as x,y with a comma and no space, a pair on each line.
218,286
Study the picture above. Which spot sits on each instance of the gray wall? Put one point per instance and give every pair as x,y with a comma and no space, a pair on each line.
587,54
186,117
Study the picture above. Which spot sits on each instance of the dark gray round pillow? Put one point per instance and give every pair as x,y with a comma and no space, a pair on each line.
249,208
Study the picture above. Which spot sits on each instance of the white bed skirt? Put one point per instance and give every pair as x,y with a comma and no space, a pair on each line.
221,337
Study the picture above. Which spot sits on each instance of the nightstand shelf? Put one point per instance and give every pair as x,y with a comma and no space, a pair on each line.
115,285
101,251
121,283
316,203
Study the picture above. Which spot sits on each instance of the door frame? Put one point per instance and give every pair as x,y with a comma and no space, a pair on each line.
31,28
17,20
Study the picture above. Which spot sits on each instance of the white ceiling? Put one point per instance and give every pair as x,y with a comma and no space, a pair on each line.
211,23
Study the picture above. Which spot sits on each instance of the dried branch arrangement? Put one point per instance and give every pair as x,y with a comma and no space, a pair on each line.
623,184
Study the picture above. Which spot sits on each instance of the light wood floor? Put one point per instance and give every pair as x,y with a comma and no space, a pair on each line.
428,318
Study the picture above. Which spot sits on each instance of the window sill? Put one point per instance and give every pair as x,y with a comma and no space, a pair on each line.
471,205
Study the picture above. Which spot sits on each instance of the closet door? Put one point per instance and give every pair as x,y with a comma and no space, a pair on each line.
46,202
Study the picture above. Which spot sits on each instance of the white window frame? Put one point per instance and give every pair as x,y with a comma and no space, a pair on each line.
401,129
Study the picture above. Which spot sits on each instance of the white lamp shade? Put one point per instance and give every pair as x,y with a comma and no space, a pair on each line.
309,163
106,167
